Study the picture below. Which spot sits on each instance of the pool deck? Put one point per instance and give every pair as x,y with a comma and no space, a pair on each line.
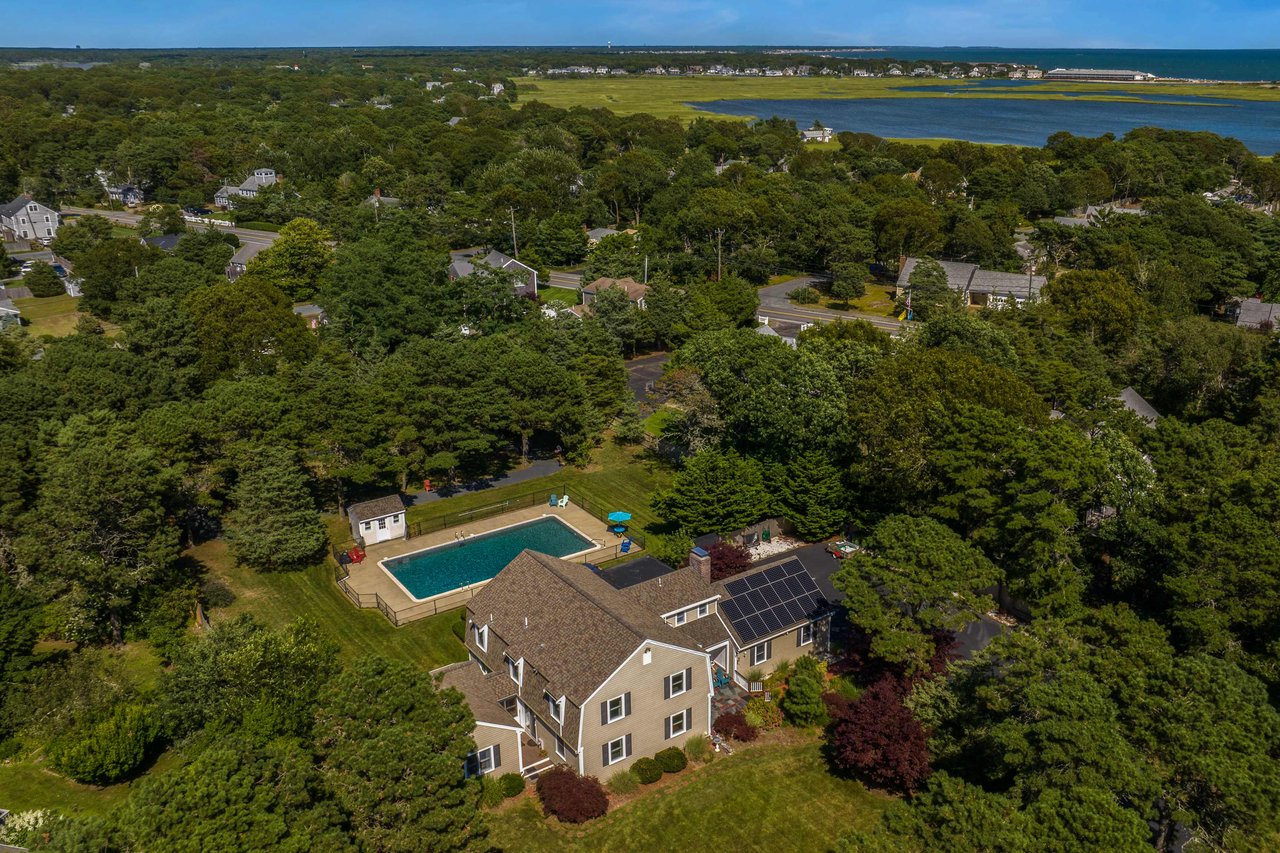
368,578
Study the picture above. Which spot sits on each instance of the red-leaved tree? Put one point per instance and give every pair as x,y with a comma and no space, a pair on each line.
879,738
728,560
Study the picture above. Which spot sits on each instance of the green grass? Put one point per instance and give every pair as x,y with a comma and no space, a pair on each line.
560,296
617,478
54,315
668,97
775,797
118,230
277,598
657,422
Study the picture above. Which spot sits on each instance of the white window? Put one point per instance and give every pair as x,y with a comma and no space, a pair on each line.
554,709
759,654
366,525
559,747
703,610
677,683
677,724
33,207
395,519
480,633
515,669
681,616
382,524
483,761
616,750
615,709
804,635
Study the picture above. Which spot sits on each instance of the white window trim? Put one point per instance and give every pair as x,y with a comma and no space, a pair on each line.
481,755
555,707
560,747
682,716
680,617
671,684
622,743
690,605
515,670
608,709
704,610
480,633
763,648
803,629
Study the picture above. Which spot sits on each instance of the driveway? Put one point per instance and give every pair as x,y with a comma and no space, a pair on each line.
775,304
642,372
537,468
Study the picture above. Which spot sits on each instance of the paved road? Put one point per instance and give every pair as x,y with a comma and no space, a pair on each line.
565,279
774,303
121,217
644,370
538,468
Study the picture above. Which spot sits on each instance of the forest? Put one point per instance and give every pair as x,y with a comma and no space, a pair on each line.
1134,709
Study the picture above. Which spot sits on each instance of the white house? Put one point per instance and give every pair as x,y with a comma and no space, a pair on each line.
377,520
27,219
817,134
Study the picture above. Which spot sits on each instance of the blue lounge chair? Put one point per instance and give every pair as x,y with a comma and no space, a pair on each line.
551,501
626,546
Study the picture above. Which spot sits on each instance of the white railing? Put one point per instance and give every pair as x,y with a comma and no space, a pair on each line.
740,681
206,221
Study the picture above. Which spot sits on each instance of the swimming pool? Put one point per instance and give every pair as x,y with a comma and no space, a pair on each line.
458,565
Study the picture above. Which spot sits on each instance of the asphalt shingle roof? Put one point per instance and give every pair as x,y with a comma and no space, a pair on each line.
376,508
482,692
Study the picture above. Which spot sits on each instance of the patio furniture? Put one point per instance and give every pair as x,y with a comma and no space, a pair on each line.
564,500
764,534
626,546
551,501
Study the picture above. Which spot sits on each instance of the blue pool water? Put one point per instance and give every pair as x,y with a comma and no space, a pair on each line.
458,564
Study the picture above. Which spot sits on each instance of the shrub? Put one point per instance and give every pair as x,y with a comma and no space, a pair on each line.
108,750
762,714
698,748
734,726
879,738
805,295
803,701
842,685
671,760
728,560
755,674
647,770
43,281
490,792
570,797
512,784
623,782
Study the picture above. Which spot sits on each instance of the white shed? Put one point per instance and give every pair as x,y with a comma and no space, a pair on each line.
377,520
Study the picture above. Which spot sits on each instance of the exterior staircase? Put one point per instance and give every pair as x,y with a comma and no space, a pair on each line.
536,769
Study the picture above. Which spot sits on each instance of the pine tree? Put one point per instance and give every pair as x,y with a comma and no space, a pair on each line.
274,524
815,496
802,702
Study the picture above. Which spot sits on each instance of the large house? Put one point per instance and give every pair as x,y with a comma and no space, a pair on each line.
816,134
24,218
226,197
462,262
979,287
635,291
598,668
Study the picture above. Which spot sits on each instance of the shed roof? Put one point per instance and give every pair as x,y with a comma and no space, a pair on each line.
1134,402
376,508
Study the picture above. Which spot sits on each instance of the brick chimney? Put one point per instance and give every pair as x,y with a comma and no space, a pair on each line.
701,560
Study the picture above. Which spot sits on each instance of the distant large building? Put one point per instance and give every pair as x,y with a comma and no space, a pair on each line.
24,218
1100,75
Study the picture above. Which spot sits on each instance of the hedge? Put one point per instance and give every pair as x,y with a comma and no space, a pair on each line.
671,759
647,770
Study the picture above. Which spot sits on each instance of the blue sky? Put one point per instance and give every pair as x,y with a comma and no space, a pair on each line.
1010,23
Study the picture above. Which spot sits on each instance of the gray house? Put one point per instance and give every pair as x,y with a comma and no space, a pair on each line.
226,197
979,287
1256,314
27,219
462,262
240,260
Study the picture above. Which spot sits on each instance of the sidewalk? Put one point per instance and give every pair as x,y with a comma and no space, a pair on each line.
538,468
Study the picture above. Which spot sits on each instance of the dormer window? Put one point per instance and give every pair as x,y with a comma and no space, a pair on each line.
703,610
681,617
480,636
515,669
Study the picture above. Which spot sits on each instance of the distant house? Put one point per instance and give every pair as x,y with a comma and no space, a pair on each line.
311,314
979,287
595,235
1093,214
817,134
1134,402
240,260
462,262
377,520
596,669
635,291
27,219
1255,314
378,200
164,242
226,197
125,194
455,121
787,332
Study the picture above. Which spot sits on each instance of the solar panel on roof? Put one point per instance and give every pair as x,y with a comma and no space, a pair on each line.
730,608
756,581
783,615
755,601
795,610
755,627
795,587
771,596
771,622
737,587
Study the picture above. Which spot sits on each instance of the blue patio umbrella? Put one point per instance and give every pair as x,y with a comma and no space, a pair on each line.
618,516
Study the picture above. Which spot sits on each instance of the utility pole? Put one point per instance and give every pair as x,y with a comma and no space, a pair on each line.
515,247
646,269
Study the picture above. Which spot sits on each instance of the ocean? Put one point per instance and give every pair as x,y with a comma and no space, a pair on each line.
1017,121
1197,64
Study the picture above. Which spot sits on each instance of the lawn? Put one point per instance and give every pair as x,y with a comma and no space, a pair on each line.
560,296
768,797
276,598
618,478
54,315
657,422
